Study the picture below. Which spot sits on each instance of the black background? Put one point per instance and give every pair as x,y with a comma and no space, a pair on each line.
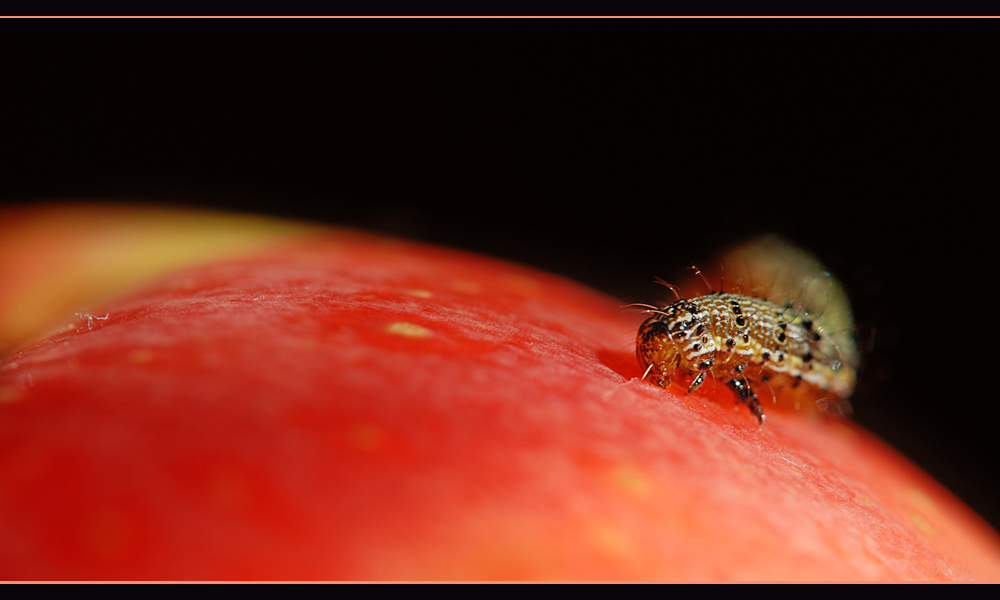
610,152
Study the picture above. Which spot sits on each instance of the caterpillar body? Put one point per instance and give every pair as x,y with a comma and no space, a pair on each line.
793,336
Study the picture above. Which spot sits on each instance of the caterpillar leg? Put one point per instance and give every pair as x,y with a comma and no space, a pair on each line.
748,397
697,382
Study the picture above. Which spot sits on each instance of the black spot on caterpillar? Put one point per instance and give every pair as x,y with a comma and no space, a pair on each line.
784,322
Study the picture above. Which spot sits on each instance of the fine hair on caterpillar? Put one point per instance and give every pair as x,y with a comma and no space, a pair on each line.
794,337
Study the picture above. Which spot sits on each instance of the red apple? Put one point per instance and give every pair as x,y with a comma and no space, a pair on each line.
297,402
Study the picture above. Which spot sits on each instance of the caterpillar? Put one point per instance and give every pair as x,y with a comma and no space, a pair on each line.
793,335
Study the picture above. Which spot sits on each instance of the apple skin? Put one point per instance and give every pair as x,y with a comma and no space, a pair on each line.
335,405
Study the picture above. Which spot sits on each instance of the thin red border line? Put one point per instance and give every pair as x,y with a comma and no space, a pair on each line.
500,17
